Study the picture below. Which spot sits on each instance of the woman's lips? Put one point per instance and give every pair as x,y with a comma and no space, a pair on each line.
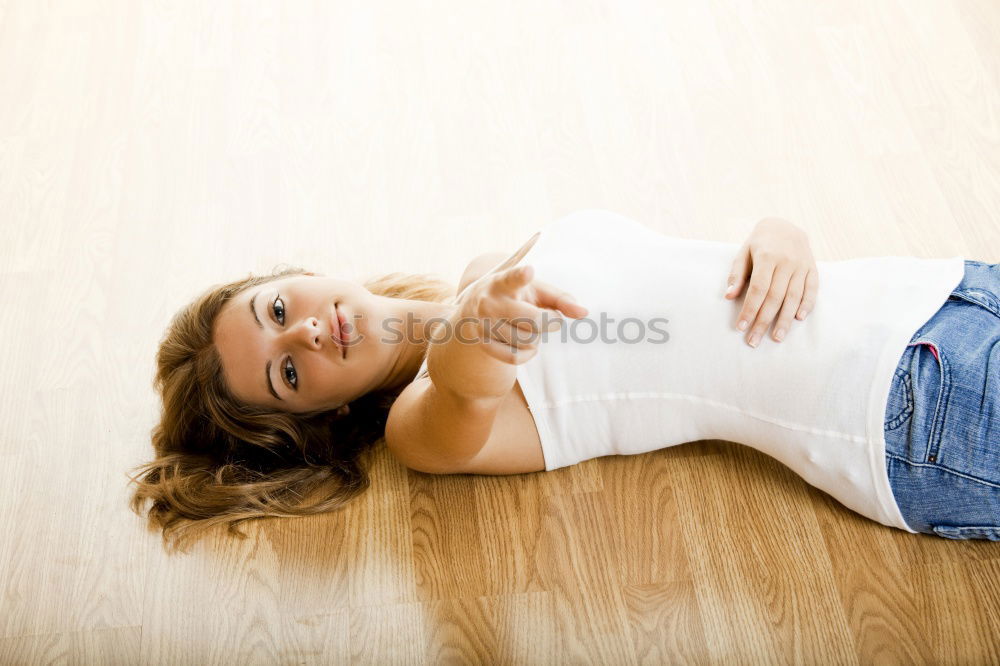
345,330
344,333
336,326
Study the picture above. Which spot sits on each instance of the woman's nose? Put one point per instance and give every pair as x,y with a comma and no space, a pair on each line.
307,333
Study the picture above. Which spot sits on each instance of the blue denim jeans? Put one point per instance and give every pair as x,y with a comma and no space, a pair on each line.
942,421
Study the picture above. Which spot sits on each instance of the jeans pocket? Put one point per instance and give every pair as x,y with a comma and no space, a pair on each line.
931,388
900,403
990,532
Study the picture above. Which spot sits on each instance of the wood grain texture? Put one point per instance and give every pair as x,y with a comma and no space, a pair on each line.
150,149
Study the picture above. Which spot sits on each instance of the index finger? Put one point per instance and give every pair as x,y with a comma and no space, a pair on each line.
517,256
760,283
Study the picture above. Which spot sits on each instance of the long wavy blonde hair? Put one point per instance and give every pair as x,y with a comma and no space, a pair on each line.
219,461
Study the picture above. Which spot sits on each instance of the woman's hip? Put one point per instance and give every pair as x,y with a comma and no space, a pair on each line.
942,421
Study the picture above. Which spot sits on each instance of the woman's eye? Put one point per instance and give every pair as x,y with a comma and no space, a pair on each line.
275,307
291,375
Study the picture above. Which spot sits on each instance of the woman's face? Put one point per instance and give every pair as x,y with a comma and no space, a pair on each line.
277,345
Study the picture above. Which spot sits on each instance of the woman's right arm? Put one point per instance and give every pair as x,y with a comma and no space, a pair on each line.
441,422
434,430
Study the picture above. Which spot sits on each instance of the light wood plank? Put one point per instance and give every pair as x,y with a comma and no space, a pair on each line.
150,149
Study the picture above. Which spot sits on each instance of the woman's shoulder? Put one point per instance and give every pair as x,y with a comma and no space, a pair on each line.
513,445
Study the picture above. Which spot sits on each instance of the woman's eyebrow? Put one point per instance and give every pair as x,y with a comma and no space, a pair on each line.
253,311
267,377
267,368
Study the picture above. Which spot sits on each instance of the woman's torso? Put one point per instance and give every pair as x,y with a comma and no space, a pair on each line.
806,401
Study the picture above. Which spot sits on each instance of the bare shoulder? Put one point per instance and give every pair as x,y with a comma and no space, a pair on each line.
513,446
402,435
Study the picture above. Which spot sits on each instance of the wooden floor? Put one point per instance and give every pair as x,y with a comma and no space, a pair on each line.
150,149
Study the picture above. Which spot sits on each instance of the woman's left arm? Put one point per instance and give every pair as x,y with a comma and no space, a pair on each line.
782,276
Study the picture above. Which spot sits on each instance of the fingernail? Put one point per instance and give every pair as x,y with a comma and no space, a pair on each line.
729,289
742,325
753,339
803,313
779,334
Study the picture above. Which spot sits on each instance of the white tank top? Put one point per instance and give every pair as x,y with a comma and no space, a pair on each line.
815,401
